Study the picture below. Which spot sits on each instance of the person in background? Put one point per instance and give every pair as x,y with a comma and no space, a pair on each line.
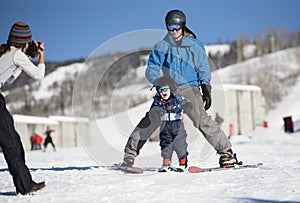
181,56
13,61
36,142
48,139
32,141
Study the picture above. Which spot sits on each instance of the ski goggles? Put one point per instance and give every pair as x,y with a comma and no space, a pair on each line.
160,90
172,27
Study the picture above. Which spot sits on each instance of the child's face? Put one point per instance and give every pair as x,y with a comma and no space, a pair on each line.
164,92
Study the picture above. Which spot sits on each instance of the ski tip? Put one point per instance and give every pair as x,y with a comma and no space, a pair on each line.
127,169
132,169
194,169
138,170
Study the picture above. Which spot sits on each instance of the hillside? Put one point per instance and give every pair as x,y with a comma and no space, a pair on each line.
102,83
275,73
53,94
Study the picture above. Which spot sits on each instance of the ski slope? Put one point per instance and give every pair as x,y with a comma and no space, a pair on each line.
74,175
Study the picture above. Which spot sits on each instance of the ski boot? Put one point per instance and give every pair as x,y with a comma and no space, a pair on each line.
166,165
128,160
182,165
228,159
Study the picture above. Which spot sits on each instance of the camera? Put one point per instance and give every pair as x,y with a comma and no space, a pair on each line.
33,49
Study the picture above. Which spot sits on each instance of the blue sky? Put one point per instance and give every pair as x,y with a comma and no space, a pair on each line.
73,29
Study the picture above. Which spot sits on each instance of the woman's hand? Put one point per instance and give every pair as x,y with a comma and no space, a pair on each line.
41,47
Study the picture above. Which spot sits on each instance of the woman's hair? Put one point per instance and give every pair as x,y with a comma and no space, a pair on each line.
6,47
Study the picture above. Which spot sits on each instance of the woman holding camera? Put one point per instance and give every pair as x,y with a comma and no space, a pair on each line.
14,60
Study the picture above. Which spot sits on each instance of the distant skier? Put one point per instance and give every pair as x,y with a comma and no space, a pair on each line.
172,135
48,139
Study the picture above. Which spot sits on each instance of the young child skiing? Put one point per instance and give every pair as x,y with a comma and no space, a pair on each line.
172,133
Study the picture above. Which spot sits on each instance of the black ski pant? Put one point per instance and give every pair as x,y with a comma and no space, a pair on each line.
173,138
13,151
48,140
143,131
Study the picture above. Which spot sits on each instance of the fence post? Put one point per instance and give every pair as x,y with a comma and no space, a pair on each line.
231,129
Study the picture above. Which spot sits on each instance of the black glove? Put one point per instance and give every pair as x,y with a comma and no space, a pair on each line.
187,108
206,97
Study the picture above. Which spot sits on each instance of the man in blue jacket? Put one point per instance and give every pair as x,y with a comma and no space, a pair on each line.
183,58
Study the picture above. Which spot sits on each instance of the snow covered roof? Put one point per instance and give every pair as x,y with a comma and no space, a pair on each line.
227,87
217,49
52,120
34,120
70,119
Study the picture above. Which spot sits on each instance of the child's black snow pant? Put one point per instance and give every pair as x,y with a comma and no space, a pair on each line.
173,138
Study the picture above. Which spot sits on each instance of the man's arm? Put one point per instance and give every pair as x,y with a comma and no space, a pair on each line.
155,63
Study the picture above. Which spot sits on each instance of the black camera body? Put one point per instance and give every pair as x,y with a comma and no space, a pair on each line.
33,50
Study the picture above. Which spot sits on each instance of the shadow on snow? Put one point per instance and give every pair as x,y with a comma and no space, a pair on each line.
67,168
255,200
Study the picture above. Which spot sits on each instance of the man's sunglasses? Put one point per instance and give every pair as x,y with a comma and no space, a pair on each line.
172,27
165,89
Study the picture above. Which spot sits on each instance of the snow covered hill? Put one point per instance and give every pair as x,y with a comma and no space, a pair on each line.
76,174
275,73
217,49
58,76
283,63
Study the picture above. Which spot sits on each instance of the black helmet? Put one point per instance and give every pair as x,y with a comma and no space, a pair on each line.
165,81
175,17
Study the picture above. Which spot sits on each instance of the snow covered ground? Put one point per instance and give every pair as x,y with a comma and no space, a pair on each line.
72,175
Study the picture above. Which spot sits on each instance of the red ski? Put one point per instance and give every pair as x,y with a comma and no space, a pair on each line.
127,169
196,169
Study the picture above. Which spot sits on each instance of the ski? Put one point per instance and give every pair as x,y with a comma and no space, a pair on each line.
127,169
191,169
196,169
